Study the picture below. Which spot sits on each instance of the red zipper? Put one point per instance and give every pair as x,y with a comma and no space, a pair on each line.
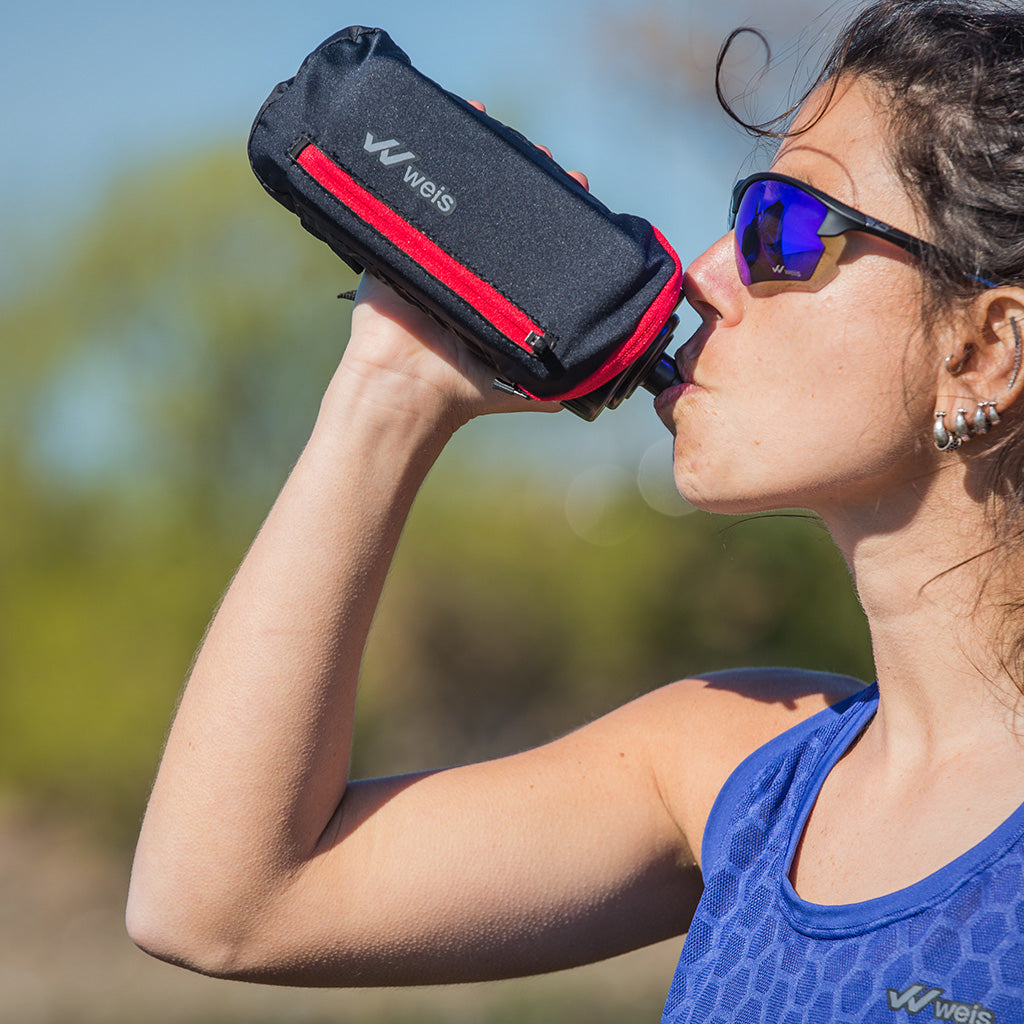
502,314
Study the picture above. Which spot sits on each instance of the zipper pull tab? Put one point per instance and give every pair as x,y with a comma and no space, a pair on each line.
510,389
538,344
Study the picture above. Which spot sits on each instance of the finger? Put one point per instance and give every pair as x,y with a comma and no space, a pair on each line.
578,175
512,403
479,106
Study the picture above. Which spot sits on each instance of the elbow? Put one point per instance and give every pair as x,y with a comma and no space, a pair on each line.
148,927
178,927
166,937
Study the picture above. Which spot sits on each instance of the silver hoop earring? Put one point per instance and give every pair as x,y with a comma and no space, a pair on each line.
961,427
980,424
944,440
954,369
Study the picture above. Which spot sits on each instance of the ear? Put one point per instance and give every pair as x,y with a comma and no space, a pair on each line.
988,364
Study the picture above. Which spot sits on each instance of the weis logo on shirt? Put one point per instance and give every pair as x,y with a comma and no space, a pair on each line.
917,997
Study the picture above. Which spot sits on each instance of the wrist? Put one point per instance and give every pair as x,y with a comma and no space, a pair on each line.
385,414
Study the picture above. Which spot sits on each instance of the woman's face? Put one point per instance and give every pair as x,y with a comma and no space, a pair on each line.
813,399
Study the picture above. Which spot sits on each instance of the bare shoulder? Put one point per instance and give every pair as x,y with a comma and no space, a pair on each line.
700,729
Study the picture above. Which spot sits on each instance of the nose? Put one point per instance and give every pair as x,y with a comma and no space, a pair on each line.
712,286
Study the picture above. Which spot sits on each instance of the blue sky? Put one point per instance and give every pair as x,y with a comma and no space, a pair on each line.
90,87
93,89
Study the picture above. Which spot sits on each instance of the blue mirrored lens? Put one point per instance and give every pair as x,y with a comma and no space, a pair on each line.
776,233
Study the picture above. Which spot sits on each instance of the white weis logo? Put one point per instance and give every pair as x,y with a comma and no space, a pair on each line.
383,151
437,195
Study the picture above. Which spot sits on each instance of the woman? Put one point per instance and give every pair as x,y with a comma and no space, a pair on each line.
865,854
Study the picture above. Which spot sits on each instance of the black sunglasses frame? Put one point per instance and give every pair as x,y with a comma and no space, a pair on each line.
841,218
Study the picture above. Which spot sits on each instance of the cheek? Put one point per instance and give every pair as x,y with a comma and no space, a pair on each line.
847,353
799,397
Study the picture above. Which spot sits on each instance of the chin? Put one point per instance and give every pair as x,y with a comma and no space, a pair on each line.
720,501
739,506
727,487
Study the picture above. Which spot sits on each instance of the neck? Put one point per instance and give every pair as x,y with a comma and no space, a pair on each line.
932,590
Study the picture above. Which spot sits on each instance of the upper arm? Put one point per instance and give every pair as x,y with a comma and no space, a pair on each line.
574,851
553,857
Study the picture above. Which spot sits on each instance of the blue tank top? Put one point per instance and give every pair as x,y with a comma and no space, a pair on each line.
950,947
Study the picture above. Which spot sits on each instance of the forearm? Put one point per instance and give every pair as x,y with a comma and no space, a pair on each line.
257,760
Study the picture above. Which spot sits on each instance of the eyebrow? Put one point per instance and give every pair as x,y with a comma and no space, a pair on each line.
810,178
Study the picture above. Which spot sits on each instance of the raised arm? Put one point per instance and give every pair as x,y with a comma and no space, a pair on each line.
257,859
254,857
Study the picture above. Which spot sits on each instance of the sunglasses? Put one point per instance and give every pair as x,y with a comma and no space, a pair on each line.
790,232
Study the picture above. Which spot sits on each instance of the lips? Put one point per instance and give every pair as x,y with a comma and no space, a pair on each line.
689,352
686,360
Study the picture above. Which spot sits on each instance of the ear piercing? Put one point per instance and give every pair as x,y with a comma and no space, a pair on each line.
944,440
985,417
1016,351
954,366
980,424
963,431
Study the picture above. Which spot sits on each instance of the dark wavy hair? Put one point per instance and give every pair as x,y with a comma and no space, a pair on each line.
951,74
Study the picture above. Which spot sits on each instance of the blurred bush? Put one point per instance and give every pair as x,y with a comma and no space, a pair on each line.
158,383
159,378
502,627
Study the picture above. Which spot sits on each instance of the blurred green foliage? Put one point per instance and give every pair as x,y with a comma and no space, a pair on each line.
502,627
158,383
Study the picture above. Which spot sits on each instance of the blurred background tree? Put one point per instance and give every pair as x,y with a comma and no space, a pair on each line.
159,378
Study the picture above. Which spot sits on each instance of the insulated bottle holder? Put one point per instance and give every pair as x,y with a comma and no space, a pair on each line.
471,222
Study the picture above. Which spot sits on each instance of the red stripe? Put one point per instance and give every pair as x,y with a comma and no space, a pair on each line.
484,298
647,330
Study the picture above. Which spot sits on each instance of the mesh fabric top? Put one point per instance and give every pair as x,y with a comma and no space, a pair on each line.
950,947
